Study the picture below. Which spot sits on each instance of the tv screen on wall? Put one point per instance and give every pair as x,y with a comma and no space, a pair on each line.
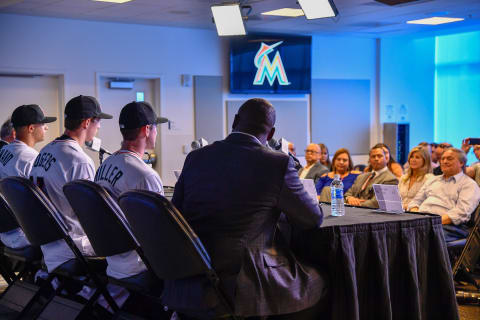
271,64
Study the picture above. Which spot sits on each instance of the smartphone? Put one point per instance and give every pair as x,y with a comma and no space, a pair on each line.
473,141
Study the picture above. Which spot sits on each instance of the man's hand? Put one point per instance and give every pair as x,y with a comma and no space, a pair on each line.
466,145
355,201
446,219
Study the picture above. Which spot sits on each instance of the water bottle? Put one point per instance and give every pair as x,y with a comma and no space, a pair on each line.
336,187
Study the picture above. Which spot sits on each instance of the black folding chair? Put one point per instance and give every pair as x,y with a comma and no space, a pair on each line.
470,255
28,258
171,246
43,224
108,231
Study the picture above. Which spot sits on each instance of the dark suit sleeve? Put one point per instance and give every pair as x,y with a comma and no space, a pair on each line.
300,209
178,192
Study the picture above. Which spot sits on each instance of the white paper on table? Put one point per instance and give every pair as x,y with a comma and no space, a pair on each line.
388,197
310,188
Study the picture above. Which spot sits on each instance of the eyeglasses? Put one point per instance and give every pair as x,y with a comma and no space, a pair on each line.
311,151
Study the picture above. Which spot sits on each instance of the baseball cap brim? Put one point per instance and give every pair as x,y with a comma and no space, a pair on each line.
48,120
102,115
161,120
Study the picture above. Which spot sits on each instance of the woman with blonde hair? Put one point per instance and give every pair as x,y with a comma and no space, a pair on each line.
418,172
342,165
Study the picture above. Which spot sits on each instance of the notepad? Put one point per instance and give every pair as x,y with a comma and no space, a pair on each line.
388,197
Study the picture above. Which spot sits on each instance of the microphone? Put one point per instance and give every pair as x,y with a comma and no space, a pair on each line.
281,145
96,145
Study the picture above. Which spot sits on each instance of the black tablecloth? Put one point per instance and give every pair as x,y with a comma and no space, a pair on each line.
382,266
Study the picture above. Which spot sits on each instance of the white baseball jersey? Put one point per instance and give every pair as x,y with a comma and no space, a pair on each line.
16,159
122,171
59,162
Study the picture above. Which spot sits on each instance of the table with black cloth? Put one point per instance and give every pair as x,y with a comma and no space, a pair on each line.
382,266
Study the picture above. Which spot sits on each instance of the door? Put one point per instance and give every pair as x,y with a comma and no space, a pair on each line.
42,90
112,101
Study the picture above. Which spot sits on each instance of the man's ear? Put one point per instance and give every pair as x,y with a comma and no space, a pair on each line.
30,128
271,133
86,123
144,132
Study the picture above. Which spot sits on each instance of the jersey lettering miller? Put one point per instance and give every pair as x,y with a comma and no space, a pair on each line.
270,70
111,175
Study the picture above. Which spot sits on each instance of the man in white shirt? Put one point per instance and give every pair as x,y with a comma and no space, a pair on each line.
63,160
125,170
16,158
314,169
452,195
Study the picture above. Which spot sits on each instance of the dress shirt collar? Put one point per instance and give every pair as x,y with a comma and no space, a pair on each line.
247,134
378,172
455,178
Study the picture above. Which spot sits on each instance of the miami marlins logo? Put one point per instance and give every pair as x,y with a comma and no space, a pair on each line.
267,69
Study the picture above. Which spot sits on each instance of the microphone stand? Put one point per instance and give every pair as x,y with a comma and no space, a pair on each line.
101,153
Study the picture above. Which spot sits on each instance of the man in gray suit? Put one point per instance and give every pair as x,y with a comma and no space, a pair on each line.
361,193
232,193
314,169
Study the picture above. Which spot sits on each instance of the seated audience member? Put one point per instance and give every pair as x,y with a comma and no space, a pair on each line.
441,147
466,146
361,193
291,148
29,124
452,195
324,156
7,133
235,216
419,171
473,171
341,164
392,165
64,160
314,169
435,162
426,146
125,170
359,167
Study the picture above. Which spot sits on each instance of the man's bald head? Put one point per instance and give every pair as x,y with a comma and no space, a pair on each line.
256,117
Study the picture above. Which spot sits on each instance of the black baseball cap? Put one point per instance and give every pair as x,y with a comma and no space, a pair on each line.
29,114
138,114
84,107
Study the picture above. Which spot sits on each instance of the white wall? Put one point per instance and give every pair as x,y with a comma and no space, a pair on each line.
408,77
81,49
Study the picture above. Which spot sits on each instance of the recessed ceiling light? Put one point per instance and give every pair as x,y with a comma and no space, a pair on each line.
435,20
114,1
228,19
285,12
317,9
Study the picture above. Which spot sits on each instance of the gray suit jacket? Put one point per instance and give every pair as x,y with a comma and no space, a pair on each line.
368,194
232,193
315,172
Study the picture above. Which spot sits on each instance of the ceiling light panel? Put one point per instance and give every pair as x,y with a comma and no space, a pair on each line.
435,20
285,12
317,9
228,20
